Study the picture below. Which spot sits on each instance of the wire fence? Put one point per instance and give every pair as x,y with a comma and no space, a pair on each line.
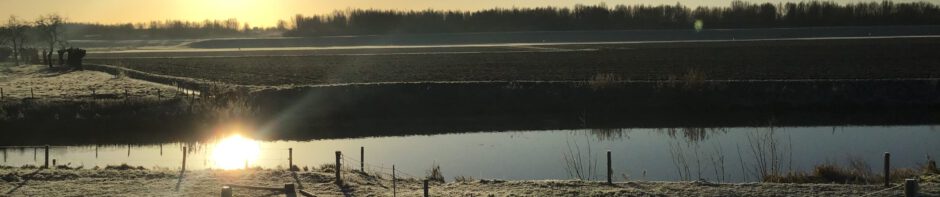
129,92
383,170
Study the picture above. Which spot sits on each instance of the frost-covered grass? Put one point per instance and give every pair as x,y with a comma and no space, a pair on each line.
18,181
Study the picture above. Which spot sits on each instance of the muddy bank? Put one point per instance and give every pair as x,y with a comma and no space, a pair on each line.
390,109
429,108
163,182
362,110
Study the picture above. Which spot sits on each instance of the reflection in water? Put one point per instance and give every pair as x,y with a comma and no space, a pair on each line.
235,152
716,154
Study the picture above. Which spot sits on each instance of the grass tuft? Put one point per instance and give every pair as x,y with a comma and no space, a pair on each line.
434,174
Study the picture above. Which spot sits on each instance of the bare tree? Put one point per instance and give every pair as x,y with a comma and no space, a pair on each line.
4,39
50,29
16,31
4,36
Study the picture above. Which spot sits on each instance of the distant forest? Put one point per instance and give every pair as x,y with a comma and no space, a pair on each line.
164,30
620,17
580,17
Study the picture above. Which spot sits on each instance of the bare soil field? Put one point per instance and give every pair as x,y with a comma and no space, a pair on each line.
163,182
571,36
746,60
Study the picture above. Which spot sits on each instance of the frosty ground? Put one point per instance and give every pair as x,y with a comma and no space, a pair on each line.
163,182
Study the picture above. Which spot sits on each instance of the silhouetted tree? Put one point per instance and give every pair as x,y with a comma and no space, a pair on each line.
17,36
50,30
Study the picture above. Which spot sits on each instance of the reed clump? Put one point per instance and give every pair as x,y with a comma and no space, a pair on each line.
435,175
833,173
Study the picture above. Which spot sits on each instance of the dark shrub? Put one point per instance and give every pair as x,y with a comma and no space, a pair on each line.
5,53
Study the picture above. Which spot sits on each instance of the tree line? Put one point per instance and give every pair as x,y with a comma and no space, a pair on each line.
620,17
169,29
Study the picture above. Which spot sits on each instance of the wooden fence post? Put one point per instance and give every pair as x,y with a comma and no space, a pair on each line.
184,160
1,93
339,178
53,163
31,95
887,169
910,188
226,191
96,151
47,157
426,188
290,159
610,169
394,183
289,190
362,159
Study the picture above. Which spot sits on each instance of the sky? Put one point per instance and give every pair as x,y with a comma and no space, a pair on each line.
268,12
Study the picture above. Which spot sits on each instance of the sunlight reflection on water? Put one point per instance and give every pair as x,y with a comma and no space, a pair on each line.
235,152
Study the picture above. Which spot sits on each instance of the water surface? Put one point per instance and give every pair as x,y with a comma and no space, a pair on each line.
715,154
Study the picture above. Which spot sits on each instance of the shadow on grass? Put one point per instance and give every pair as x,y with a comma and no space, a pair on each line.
25,181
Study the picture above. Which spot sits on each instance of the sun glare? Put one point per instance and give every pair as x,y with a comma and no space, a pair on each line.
232,152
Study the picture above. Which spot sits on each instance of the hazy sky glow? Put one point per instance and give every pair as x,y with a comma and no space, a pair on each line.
267,12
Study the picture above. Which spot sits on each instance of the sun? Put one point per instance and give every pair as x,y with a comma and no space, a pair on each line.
233,151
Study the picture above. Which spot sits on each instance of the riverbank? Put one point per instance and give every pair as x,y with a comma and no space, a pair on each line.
394,109
163,182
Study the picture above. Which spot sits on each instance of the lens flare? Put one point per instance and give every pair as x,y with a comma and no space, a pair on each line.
234,151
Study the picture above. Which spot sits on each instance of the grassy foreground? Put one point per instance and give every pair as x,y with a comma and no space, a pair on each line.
163,182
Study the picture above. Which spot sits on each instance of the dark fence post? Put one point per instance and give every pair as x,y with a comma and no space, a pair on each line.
910,187
184,160
31,95
1,93
226,191
339,178
610,169
362,159
426,188
289,190
47,157
290,159
887,169
394,183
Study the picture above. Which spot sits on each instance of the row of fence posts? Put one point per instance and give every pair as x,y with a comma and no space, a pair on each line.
910,185
94,94
32,95
362,168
